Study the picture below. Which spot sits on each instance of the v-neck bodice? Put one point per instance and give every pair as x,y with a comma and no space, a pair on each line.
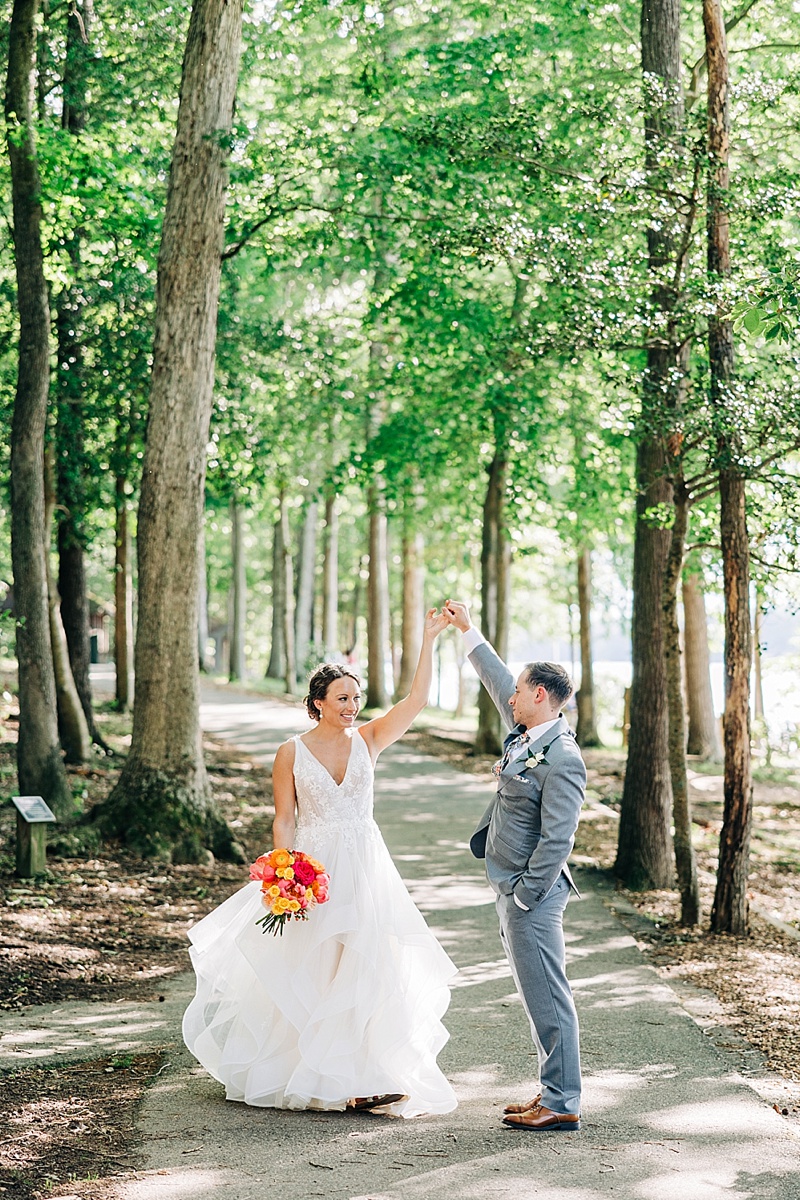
322,764
322,803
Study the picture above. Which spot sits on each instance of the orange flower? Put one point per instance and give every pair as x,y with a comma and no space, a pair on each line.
281,858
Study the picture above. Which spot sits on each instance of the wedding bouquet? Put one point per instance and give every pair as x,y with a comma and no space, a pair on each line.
292,883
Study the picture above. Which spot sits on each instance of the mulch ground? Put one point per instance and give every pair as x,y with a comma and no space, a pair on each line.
109,927
71,1126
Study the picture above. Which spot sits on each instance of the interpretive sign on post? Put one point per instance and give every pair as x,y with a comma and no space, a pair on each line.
32,817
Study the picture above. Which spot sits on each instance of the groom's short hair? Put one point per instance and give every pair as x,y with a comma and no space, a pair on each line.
553,678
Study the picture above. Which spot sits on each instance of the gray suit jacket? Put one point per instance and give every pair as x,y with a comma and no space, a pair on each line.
527,832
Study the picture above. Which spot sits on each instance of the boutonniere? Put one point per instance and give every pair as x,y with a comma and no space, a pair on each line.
537,758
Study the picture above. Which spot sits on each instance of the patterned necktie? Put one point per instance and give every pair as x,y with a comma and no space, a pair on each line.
510,750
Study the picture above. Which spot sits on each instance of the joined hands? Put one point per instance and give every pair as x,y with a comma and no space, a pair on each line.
457,614
453,613
435,622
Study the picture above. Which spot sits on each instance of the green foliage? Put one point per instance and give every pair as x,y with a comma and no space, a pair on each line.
435,250
771,309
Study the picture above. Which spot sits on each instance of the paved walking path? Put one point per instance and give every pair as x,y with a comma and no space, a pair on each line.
668,1114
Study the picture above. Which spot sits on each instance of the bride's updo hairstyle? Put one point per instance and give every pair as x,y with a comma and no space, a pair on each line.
319,683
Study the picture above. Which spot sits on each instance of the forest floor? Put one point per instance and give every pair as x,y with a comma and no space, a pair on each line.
104,926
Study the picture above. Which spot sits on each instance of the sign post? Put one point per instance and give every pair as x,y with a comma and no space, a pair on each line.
32,818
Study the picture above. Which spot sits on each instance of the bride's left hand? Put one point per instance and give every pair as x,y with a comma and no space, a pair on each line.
435,622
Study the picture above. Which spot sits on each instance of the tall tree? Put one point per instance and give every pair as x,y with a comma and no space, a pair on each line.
330,578
413,613
73,728
495,579
123,598
162,802
306,588
644,859
71,383
496,541
281,654
238,594
377,602
39,766
730,913
586,732
685,861
703,737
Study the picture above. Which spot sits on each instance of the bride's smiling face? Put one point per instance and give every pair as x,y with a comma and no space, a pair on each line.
341,704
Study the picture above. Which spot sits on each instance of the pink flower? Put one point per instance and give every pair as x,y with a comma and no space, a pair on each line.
262,869
304,873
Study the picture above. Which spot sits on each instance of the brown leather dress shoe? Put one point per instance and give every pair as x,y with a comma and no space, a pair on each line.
543,1120
520,1108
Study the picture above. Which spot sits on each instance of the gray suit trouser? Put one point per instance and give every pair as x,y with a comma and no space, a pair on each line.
534,944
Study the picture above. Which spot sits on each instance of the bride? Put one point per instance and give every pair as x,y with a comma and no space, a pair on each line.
343,1010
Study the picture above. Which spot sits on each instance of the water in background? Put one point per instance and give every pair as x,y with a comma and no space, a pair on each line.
781,686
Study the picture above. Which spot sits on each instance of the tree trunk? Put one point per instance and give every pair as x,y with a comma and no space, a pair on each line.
351,641
586,732
413,553
461,662
495,570
644,859
202,602
70,385
123,600
40,769
377,604
73,728
237,668
730,913
758,683
276,667
681,806
74,608
75,85
290,664
306,586
330,577
162,804
703,738
730,910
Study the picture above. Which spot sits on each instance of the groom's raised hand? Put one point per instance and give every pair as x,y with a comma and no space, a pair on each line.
457,614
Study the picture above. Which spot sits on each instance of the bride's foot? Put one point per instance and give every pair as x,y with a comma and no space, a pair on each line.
366,1103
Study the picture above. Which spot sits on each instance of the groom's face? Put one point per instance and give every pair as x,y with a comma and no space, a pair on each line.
529,704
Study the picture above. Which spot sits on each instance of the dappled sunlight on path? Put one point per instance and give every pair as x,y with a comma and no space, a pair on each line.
666,1116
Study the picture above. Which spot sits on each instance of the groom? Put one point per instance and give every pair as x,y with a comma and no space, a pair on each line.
525,836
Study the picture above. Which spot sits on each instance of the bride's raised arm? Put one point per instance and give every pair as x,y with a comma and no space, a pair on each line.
381,732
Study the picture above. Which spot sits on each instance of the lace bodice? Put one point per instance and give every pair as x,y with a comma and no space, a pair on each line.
323,806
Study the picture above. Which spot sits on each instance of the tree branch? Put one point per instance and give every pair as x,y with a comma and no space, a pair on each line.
773,566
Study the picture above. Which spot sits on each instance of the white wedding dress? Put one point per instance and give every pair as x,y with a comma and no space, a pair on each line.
347,1004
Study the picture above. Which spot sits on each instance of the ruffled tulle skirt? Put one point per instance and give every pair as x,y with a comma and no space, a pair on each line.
344,1005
